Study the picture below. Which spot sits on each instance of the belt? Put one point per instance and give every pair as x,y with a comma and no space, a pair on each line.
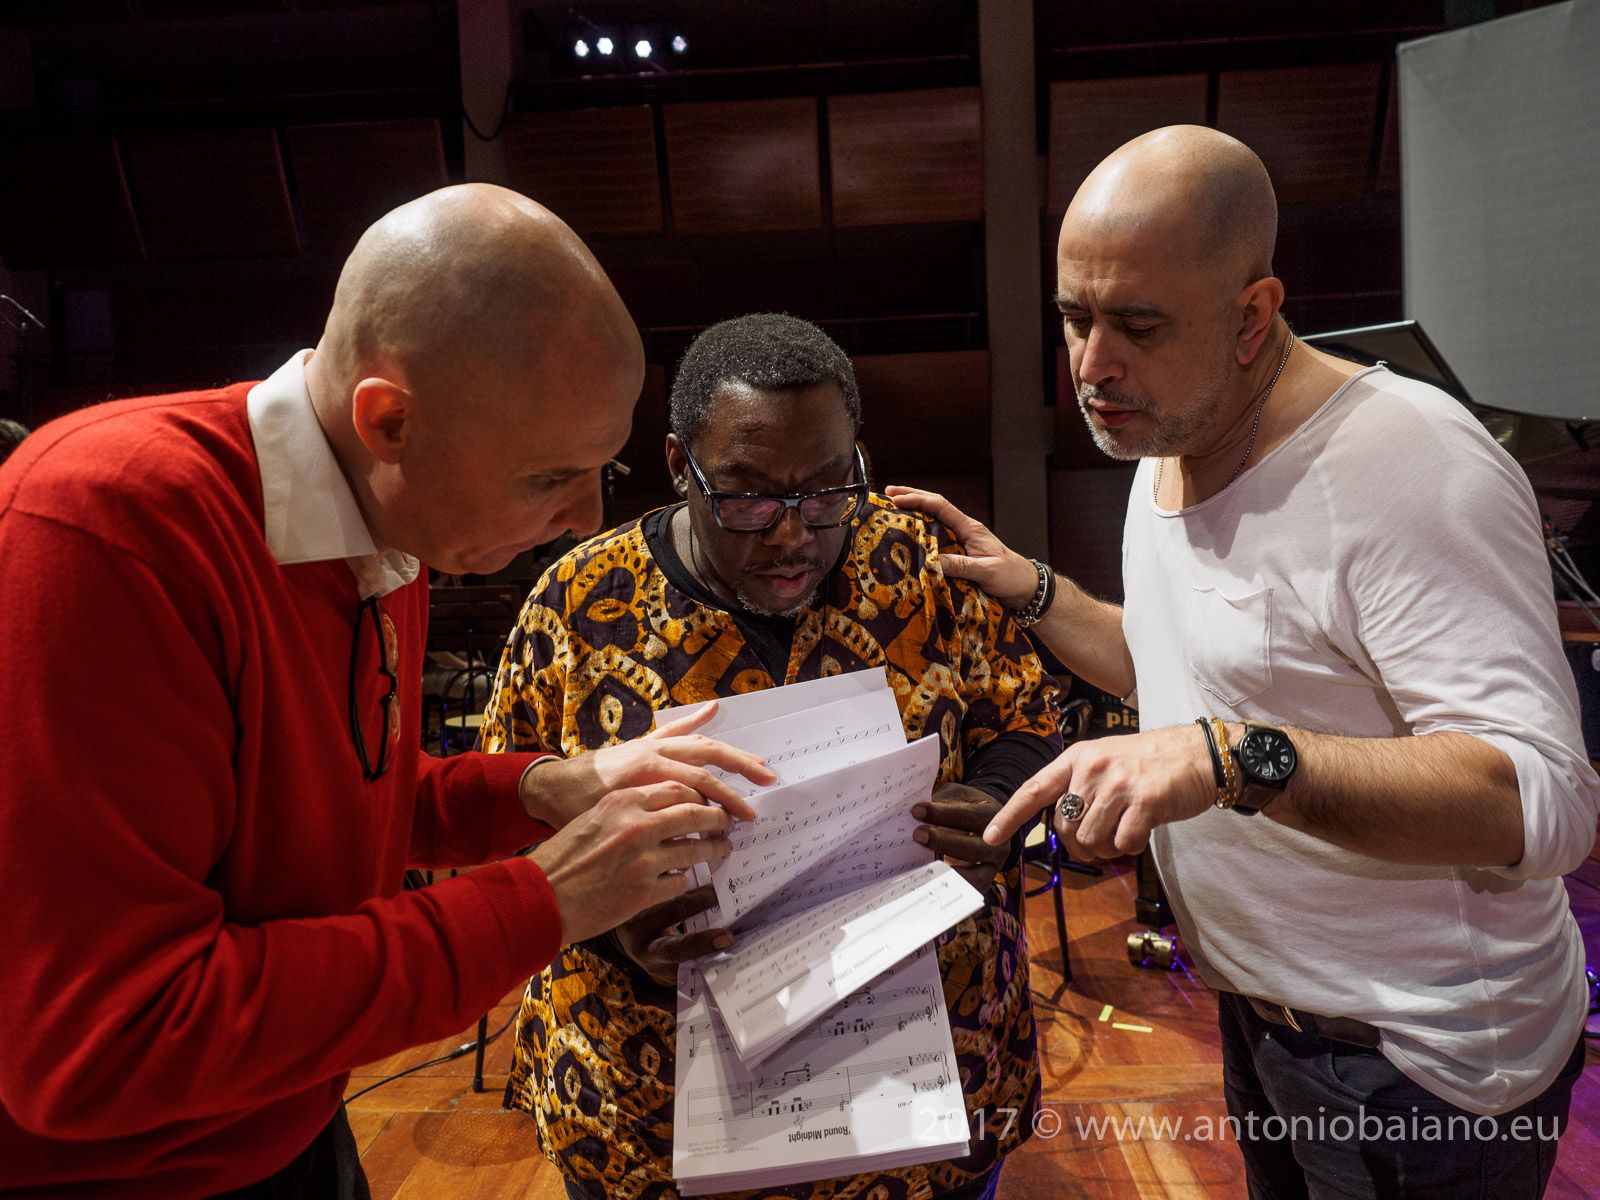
1339,1029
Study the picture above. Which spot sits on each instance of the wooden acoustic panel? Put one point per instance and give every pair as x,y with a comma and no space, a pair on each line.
212,194
925,413
17,13
595,168
1075,447
645,453
1087,513
349,175
903,158
66,204
967,490
648,485
1312,126
796,284
744,165
1388,181
1089,118
658,293
207,8
894,282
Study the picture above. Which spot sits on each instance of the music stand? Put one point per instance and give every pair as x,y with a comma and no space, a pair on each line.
1403,345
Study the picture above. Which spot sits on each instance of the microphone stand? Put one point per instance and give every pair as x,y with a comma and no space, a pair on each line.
24,359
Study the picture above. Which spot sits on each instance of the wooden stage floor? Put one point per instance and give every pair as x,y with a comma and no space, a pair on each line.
429,1136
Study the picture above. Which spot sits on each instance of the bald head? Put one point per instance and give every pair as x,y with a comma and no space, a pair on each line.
476,372
467,289
1203,195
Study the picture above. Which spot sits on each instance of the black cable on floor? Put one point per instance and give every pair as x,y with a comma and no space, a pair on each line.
458,1052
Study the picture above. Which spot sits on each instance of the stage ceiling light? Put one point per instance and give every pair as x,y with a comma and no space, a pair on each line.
605,45
679,45
642,48
581,48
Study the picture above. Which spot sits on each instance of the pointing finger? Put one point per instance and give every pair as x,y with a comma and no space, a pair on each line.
685,725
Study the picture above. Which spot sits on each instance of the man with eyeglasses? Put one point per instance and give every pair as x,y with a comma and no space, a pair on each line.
214,608
779,566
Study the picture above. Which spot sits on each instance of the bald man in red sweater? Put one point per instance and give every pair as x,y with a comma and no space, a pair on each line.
214,612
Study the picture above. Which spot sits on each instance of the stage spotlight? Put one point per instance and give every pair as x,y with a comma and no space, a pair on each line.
581,48
605,45
642,48
679,45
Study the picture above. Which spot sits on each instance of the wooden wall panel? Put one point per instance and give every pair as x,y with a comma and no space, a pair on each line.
892,282
1087,513
1089,118
212,194
1388,181
901,158
1312,126
349,175
648,486
207,8
970,491
1075,448
925,413
732,287
595,168
744,165
658,293
66,204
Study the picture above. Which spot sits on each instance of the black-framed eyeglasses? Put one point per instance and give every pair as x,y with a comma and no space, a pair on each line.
757,512
388,658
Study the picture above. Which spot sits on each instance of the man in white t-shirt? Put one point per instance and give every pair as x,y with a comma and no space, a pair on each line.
1361,767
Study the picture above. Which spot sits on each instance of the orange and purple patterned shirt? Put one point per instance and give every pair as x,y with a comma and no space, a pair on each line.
617,629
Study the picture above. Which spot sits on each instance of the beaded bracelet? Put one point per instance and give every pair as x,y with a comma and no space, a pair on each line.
1043,597
1229,771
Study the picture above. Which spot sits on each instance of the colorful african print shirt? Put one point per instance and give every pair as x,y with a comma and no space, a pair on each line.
605,639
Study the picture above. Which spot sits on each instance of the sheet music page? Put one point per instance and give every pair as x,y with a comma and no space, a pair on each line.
750,708
869,1085
776,981
813,741
800,826
880,853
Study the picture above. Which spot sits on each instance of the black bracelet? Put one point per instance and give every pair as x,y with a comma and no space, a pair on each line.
1217,770
1043,597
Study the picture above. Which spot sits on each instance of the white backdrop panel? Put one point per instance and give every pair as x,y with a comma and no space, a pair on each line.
1500,179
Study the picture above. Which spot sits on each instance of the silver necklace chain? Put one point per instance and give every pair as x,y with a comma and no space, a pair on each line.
1255,425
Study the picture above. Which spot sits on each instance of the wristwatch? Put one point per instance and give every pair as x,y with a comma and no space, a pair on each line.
1266,761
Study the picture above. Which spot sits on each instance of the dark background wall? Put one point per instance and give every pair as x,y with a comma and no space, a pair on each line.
180,180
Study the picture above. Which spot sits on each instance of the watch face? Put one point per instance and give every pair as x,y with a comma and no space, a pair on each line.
1267,755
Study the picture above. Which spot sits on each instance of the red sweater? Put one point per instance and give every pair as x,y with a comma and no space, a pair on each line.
203,929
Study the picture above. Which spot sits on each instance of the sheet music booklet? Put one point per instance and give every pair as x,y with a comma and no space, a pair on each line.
819,1045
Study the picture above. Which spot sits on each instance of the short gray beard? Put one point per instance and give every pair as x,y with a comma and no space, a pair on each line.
1175,433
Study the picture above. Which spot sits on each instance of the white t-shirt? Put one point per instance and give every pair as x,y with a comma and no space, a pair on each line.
1379,574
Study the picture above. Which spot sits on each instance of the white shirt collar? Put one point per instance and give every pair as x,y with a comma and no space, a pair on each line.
311,513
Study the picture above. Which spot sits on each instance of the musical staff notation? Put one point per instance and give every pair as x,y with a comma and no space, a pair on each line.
819,1044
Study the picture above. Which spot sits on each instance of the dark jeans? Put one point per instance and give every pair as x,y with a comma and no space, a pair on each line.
1320,1119
982,1188
328,1169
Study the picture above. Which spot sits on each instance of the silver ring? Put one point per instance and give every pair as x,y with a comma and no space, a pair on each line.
1070,807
